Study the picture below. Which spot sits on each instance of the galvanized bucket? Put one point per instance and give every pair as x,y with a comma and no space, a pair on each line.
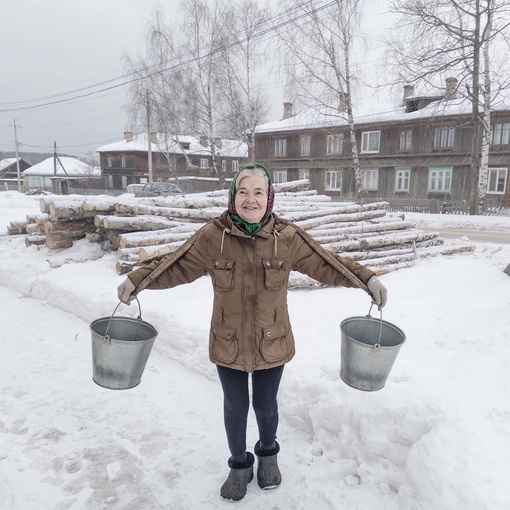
120,349
369,350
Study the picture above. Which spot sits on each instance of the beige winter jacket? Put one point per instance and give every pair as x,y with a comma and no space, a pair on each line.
250,328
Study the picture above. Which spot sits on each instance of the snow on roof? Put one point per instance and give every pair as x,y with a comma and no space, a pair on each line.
179,144
315,118
73,168
4,163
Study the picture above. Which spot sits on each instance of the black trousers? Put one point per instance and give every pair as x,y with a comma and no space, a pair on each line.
236,404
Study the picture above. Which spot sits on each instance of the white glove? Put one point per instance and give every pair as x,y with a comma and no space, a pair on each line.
378,291
125,291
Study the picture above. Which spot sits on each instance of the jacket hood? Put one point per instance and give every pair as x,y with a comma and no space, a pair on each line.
270,191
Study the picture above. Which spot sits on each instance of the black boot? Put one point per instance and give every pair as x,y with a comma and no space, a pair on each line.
268,473
241,474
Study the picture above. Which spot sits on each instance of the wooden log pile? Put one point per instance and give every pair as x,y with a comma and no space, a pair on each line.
143,229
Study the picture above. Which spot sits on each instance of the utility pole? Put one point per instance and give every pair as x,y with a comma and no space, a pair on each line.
149,142
16,144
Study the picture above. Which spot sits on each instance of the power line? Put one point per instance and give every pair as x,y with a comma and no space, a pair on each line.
263,32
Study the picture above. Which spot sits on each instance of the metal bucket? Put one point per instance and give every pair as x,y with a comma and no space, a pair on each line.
369,350
120,349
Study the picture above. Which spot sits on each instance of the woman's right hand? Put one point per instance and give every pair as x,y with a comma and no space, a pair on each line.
125,291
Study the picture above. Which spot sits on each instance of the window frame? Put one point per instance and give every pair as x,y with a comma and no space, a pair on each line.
223,165
405,134
204,163
280,147
445,174
444,138
307,170
335,144
235,166
496,180
366,142
305,145
366,178
502,131
405,178
109,161
328,181
279,176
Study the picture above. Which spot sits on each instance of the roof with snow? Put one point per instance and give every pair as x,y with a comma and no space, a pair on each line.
66,167
175,143
6,162
316,118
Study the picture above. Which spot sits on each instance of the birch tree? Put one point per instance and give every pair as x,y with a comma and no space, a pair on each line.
246,103
435,38
317,50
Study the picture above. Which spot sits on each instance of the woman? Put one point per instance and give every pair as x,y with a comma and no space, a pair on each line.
249,253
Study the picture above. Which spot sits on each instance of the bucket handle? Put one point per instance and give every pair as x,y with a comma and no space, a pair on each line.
139,318
377,345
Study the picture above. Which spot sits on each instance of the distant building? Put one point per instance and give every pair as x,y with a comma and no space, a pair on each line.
173,156
421,150
59,176
9,172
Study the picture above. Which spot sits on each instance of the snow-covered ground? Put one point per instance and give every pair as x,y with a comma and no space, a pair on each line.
437,437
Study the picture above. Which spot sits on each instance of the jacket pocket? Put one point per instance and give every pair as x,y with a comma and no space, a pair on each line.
275,344
275,274
223,274
225,346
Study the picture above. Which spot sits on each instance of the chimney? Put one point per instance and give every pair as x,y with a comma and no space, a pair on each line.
451,88
287,110
154,137
342,103
128,136
408,92
218,142
203,141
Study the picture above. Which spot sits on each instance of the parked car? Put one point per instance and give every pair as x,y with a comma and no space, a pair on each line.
157,189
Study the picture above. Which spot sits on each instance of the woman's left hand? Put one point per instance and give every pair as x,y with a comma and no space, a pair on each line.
378,291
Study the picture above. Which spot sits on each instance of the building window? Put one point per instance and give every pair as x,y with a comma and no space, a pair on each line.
370,141
334,180
280,176
304,173
444,137
402,180
224,165
497,180
204,163
335,144
280,147
235,165
305,145
110,161
440,179
500,134
370,179
406,139
123,161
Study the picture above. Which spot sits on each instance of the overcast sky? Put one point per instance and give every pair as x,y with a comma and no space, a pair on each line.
51,47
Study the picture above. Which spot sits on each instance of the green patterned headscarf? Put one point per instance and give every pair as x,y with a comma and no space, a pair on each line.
250,228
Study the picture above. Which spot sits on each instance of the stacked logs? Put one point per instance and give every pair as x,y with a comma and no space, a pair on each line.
143,229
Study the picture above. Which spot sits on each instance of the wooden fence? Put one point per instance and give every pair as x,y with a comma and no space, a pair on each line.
435,205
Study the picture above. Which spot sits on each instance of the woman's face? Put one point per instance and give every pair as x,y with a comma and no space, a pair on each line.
251,198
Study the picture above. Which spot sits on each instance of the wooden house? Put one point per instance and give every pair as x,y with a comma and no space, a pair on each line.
421,150
62,175
9,172
187,158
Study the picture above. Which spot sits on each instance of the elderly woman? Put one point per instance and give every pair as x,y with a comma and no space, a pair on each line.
249,253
